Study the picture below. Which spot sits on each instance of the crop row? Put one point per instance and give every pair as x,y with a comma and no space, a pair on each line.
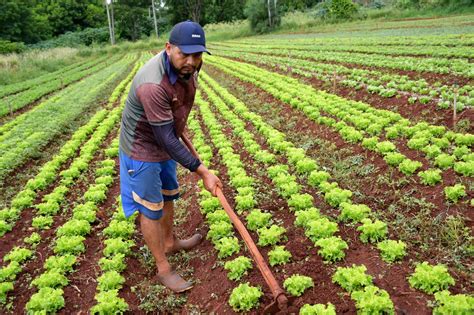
69,244
375,82
23,85
54,201
422,41
52,205
220,227
244,297
7,127
101,122
12,103
425,50
358,122
70,235
117,246
317,227
461,67
368,297
286,182
34,129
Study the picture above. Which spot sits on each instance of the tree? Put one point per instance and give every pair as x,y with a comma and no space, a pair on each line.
71,15
19,22
133,19
216,11
263,15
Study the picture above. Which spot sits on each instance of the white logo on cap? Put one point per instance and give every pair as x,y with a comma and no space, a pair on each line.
196,35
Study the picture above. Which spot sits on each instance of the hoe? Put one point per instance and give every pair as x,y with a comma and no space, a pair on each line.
281,303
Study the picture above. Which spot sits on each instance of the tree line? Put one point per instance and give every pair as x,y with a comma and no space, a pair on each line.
85,21
33,21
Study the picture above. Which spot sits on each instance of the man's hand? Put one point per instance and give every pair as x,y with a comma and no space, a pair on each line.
211,181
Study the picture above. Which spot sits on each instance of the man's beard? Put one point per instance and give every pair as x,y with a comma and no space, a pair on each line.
185,76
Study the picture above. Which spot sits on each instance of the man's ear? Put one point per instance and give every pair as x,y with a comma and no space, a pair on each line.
168,48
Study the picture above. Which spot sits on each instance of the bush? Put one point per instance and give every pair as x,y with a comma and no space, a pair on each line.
85,37
8,47
337,9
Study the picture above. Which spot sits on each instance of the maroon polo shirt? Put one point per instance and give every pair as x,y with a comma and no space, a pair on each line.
157,96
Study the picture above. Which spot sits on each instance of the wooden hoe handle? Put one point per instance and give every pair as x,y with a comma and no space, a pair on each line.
261,264
277,292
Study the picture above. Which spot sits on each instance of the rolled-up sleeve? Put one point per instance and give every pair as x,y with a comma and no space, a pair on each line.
156,103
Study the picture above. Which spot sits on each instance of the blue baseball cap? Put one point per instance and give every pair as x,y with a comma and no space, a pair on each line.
189,37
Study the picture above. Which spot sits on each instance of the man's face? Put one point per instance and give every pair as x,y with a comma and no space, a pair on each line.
184,64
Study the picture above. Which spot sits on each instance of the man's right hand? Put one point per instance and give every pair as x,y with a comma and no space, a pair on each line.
211,181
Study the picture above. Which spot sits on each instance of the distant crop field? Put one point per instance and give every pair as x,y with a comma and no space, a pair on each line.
348,158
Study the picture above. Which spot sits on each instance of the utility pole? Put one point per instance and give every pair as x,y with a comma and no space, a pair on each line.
110,18
154,17
113,19
269,13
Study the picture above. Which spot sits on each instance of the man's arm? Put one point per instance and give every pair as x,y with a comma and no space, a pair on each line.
166,138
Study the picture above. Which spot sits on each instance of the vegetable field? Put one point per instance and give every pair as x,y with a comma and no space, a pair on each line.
349,158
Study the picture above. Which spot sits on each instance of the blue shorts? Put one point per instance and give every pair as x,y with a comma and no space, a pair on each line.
144,186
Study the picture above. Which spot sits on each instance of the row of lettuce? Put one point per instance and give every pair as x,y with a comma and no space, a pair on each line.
454,66
373,81
14,102
447,45
70,237
28,134
318,228
380,131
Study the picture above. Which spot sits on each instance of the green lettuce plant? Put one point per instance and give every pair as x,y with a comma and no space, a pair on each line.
219,230
70,245
62,263
454,193
297,284
227,246
116,262
300,202
46,301
18,254
109,303
279,256
320,228
50,279
317,177
244,297
257,219
304,217
430,177
408,167
392,250
336,196
318,309
430,279
271,235
372,300
110,280
447,304
353,212
332,248
372,231
5,287
352,278
238,267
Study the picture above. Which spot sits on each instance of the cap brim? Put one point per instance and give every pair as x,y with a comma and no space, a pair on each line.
192,49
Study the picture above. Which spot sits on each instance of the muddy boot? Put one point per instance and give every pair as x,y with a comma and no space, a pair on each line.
174,282
186,244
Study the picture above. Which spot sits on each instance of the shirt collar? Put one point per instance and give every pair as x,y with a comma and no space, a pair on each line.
172,75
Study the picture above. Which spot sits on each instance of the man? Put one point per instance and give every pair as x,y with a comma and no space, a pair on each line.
154,118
